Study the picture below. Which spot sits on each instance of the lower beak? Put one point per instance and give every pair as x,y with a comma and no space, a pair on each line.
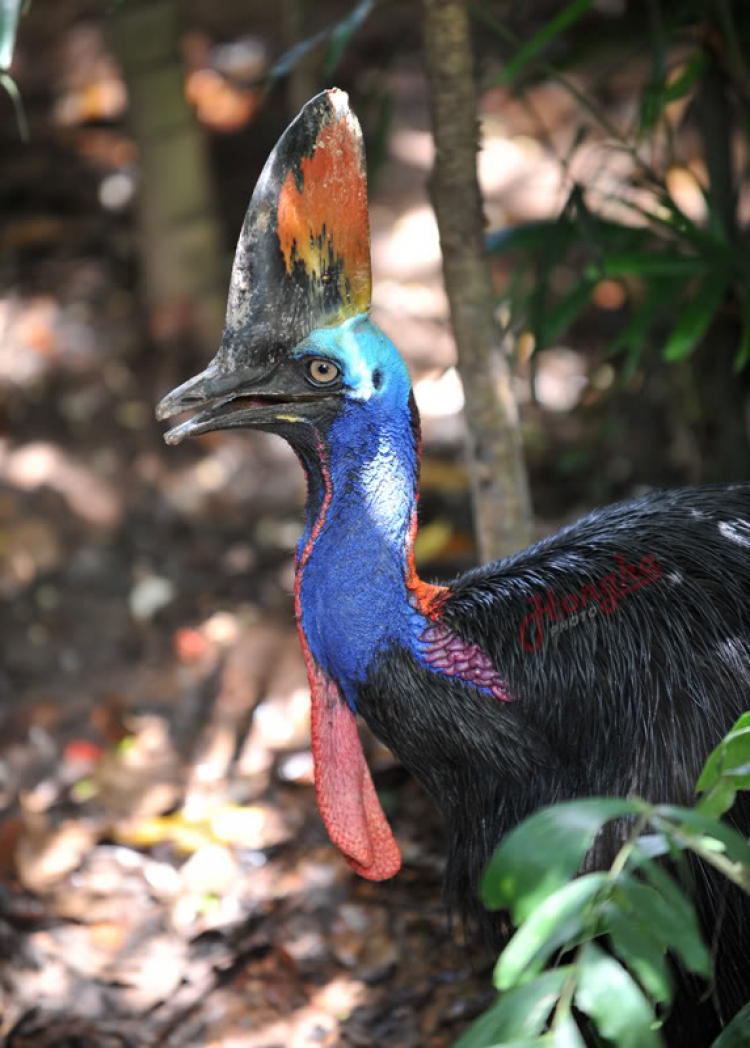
240,399
210,390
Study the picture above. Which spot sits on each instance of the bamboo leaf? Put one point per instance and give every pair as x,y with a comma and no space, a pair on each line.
10,12
555,322
7,81
341,35
528,236
535,235
652,263
696,317
686,79
743,350
567,17
634,337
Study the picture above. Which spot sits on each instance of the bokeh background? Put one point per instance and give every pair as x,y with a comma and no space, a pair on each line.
164,876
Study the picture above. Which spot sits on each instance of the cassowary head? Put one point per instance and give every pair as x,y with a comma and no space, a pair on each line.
299,349
301,358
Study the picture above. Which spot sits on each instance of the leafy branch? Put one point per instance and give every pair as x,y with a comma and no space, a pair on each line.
638,905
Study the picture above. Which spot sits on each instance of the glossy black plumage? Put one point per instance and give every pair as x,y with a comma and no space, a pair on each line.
629,697
629,702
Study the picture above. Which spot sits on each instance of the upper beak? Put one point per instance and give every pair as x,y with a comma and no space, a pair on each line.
255,397
209,390
212,390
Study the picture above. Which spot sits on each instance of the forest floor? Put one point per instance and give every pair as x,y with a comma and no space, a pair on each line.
165,878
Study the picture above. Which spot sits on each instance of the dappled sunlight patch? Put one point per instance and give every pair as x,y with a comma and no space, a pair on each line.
43,464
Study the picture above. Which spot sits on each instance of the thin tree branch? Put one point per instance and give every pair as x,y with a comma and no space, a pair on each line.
502,507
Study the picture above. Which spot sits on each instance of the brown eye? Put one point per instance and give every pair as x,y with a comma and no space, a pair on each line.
322,372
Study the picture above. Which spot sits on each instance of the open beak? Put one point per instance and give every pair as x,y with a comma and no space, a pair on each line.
247,398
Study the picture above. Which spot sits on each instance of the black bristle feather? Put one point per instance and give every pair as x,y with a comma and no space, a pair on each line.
629,703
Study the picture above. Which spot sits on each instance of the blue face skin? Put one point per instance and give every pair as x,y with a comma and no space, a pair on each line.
353,594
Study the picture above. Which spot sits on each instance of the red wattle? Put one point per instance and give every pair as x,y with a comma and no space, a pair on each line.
346,795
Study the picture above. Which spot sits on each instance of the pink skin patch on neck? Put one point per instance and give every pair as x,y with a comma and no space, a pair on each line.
447,653
346,795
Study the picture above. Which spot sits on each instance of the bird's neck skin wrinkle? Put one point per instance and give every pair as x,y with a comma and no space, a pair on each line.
354,562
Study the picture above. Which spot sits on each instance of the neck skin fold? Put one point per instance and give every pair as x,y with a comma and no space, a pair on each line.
356,588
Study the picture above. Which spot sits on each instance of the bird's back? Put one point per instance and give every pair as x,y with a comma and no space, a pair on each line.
623,643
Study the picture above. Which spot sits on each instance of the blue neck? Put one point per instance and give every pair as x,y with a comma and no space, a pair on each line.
353,599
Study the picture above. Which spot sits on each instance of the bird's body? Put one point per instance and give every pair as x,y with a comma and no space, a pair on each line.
608,659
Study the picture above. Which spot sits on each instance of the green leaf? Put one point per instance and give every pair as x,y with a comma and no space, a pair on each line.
719,759
545,851
341,35
567,1035
669,887
651,106
743,350
10,12
378,145
7,81
567,17
696,317
555,922
522,1012
733,845
614,1001
640,951
634,336
719,799
555,322
651,263
737,1033
667,922
289,59
686,79
726,770
535,236
528,236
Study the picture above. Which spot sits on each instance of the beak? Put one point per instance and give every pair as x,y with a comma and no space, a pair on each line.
244,398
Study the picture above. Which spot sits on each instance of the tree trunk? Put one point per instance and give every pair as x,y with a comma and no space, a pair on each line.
723,395
179,231
500,493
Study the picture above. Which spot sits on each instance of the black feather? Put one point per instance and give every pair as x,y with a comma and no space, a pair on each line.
628,702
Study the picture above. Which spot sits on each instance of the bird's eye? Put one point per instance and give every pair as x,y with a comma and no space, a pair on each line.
322,372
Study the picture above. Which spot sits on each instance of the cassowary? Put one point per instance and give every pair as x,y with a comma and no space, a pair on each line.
608,659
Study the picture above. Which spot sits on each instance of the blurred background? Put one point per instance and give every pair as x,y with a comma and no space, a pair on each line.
164,875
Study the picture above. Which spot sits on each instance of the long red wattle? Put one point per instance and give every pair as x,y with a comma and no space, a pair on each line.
346,795
347,800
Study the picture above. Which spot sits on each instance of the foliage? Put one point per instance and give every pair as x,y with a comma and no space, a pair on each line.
336,39
10,12
675,271
332,44
640,907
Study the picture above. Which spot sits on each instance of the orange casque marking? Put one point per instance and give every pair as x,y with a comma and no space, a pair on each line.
347,799
330,213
